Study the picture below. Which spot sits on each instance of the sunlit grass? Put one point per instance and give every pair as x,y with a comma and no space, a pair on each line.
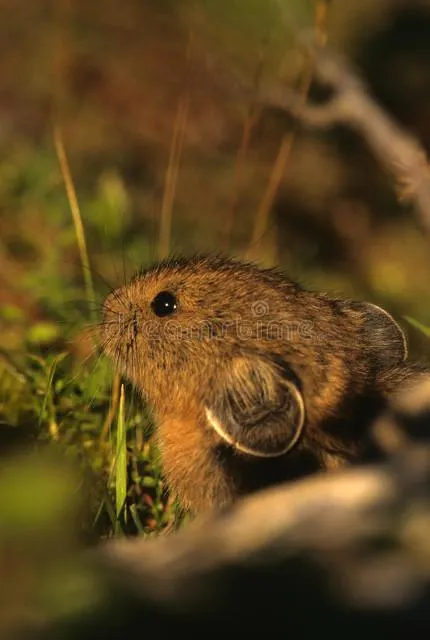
120,464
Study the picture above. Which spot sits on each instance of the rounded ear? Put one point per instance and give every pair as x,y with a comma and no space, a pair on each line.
256,407
382,334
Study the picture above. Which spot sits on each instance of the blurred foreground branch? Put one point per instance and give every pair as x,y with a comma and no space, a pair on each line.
349,550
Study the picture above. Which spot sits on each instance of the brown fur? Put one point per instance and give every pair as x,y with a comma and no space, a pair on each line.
343,357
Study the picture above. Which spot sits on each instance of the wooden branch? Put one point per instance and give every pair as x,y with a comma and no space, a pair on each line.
352,106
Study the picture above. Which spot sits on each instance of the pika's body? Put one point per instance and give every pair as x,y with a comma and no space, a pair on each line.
252,379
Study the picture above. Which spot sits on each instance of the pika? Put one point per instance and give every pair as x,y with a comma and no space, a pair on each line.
252,379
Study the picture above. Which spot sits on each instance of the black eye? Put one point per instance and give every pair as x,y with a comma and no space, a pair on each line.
164,304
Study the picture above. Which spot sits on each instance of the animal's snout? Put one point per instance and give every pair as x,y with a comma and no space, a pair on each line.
115,304
122,316
116,316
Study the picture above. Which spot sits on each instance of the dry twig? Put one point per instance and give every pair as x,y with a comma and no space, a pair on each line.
284,153
353,106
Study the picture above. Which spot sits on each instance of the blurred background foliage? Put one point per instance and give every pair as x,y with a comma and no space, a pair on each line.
112,77
153,135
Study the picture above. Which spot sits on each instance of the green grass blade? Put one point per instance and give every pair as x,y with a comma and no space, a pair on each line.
48,392
136,519
121,461
425,330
